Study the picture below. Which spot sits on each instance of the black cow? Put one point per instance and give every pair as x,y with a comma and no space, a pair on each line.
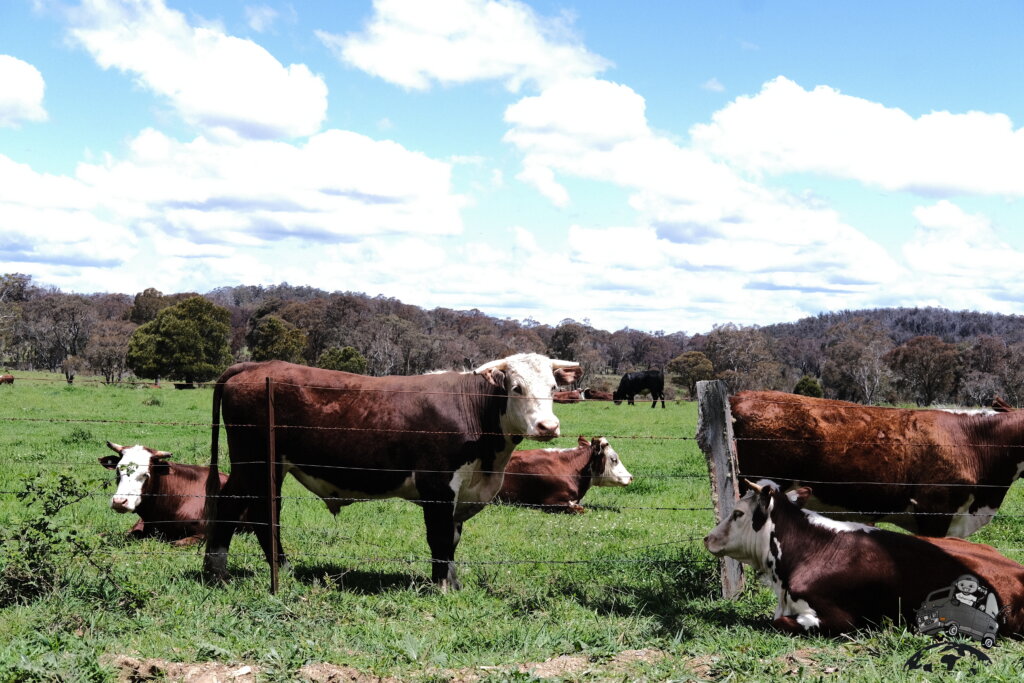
632,383
442,440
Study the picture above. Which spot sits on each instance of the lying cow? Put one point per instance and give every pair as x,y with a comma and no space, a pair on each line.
168,497
567,396
1001,406
838,576
885,463
6,379
596,395
555,479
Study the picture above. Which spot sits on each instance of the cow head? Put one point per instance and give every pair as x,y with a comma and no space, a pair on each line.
617,396
529,380
135,467
606,468
745,534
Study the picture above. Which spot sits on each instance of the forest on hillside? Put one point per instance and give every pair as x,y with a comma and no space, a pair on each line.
922,355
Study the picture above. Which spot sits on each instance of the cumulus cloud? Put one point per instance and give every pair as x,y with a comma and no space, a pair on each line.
260,18
415,44
227,86
21,92
787,129
338,185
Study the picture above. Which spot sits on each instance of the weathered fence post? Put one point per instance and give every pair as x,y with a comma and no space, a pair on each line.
714,435
271,486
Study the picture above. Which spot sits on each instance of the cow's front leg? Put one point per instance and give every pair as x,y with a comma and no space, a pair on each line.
443,534
138,531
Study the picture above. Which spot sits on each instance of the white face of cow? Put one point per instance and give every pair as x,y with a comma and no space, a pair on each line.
736,535
613,472
134,469
530,380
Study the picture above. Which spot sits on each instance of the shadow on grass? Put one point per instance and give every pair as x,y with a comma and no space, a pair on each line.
356,580
675,592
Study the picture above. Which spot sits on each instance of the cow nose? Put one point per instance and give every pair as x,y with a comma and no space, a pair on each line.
119,504
548,428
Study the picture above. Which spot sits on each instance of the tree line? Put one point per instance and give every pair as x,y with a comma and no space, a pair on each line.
921,355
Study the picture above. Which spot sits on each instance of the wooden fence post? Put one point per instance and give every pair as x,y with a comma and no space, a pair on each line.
714,435
271,487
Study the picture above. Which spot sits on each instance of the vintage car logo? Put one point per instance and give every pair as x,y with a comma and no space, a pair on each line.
966,607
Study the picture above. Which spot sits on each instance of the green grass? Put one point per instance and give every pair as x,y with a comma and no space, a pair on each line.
631,574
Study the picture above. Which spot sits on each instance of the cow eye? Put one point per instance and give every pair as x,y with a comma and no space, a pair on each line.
517,390
736,514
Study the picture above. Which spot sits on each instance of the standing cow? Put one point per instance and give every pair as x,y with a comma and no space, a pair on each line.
834,576
442,440
932,472
632,383
555,479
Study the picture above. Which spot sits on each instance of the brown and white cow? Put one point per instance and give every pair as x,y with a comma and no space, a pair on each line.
168,497
555,479
6,379
834,577
573,396
597,395
1001,406
441,440
932,472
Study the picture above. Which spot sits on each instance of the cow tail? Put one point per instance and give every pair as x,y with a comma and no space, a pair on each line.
213,478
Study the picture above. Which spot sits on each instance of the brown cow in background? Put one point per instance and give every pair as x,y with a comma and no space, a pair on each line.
6,379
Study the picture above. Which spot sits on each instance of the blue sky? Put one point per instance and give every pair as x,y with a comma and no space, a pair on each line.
662,166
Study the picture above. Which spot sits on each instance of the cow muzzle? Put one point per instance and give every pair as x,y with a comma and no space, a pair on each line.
119,504
545,430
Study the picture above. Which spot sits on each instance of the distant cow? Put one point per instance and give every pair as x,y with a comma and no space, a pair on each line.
6,379
834,577
168,497
632,383
567,396
442,440
886,463
557,478
595,395
1001,406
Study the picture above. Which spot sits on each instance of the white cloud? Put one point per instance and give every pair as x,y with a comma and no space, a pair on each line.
260,18
337,185
786,129
21,92
415,44
955,245
713,85
227,86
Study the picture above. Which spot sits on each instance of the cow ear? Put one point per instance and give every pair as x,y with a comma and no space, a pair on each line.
158,463
799,496
493,376
582,441
566,374
109,461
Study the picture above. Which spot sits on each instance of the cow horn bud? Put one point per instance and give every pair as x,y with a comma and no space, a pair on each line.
117,448
752,485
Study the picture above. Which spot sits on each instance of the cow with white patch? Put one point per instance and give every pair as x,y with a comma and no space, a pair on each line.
441,440
834,577
932,472
555,479
168,497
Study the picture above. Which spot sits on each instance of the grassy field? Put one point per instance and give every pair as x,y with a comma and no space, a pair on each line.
624,592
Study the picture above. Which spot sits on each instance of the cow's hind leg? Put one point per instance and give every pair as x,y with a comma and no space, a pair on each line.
231,504
443,534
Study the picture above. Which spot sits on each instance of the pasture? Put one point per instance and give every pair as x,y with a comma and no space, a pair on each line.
623,592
